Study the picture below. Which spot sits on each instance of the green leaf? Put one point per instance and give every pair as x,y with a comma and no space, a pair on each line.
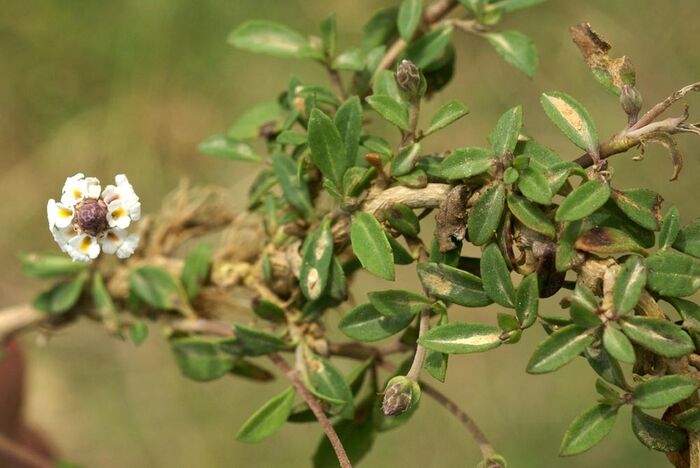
505,136
465,162
689,419
328,381
461,338
248,370
337,282
403,163
436,362
587,430
429,47
294,190
670,227
452,285
605,366
618,345
398,303
673,274
104,303
385,85
329,35
266,37
251,121
496,276
663,391
527,301
62,296
409,17
371,246
607,241
268,419
399,253
446,115
657,434
226,147
659,336
530,215
365,323
566,254
559,348
688,239
390,110
317,254
252,342
138,332
348,121
267,310
328,150
509,6
689,311
200,359
610,216
403,219
516,48
584,307
629,285
640,205
510,175
196,269
572,119
535,186
584,200
157,288
485,215
48,265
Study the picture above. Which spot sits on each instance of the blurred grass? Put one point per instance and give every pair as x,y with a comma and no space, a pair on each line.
133,86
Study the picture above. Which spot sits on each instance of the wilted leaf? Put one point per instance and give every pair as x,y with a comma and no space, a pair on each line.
606,241
317,254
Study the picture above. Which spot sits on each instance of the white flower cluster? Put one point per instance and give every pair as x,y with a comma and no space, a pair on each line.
88,220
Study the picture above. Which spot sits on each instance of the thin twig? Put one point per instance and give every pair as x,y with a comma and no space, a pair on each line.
337,81
417,364
315,407
659,108
21,455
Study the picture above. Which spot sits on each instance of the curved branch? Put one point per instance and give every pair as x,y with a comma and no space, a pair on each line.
315,407
429,196
18,318
21,455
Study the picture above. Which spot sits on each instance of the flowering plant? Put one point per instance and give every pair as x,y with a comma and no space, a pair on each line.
334,197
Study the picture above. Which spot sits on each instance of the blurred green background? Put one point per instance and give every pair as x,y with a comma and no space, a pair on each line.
132,86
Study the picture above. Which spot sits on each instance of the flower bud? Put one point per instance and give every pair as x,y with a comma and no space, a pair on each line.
410,79
400,395
631,101
494,461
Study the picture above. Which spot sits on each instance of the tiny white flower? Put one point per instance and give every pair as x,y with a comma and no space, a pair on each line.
88,220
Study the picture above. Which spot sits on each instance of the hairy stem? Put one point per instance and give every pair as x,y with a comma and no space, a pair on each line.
417,364
315,407
21,455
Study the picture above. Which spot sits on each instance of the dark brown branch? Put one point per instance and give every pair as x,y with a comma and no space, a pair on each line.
20,455
315,407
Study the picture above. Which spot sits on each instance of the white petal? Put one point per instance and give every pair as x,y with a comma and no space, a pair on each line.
135,211
70,181
59,214
117,215
63,236
84,247
120,179
112,239
128,247
93,187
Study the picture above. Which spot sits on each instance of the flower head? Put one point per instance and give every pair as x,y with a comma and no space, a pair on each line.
88,220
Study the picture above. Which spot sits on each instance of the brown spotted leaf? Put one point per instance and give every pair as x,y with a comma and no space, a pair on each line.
612,73
606,241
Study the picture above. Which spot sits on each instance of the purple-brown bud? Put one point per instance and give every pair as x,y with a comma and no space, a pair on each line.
631,102
410,80
400,395
91,216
